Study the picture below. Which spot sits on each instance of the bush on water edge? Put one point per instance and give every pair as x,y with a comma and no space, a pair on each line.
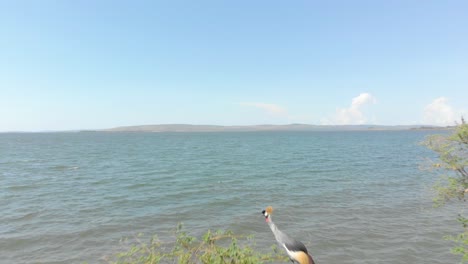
452,152
217,247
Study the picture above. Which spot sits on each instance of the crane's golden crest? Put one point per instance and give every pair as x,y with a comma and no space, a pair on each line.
269,210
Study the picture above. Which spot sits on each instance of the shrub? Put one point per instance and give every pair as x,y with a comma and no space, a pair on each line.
213,247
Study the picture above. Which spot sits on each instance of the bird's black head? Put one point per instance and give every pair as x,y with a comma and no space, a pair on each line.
267,212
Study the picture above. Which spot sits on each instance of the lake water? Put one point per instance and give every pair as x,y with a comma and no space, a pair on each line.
351,197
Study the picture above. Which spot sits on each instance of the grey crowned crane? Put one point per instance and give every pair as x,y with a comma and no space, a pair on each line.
296,250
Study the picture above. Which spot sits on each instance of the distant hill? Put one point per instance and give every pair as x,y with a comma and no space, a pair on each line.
291,127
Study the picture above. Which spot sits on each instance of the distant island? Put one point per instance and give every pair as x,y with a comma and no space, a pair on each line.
254,128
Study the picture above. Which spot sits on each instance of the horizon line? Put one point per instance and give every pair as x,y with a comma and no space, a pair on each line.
227,126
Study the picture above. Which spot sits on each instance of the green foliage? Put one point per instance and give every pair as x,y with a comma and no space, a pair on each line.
461,240
218,247
448,188
452,151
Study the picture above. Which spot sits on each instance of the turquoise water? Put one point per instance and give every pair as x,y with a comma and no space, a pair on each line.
351,197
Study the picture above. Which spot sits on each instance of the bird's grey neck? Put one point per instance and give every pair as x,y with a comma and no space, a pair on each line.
271,224
273,228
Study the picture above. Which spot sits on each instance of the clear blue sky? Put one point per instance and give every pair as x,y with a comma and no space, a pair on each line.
67,65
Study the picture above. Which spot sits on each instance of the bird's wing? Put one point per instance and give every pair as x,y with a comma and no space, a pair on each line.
298,253
295,245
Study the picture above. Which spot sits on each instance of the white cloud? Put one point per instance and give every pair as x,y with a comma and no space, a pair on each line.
352,115
269,108
439,112
362,99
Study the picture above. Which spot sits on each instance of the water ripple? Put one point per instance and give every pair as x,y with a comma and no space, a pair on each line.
352,197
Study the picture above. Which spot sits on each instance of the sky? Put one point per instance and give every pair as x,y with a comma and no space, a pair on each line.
72,65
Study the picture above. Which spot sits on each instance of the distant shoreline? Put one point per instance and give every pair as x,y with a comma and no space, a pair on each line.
260,128
253,128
